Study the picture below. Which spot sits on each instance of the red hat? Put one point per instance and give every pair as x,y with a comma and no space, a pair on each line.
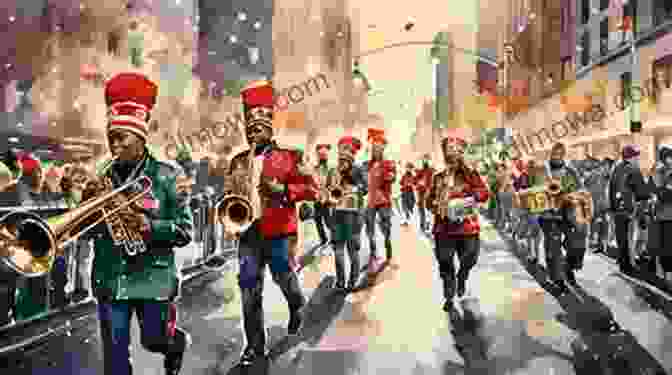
29,165
376,136
258,94
130,97
321,146
631,151
349,146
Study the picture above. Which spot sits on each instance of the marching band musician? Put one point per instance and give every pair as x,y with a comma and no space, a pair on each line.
556,223
423,179
347,218
407,197
322,210
146,283
276,181
456,234
381,175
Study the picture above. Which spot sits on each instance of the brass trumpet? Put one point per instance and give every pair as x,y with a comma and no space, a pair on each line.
29,244
235,212
553,186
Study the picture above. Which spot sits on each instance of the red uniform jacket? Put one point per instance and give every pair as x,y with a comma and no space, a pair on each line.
283,164
473,187
407,182
382,174
423,179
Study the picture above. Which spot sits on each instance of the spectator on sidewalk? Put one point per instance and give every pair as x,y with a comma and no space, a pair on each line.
660,232
73,185
32,297
626,188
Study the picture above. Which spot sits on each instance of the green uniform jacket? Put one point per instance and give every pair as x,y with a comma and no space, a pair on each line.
154,276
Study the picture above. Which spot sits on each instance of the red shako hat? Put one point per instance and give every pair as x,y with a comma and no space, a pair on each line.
130,97
258,94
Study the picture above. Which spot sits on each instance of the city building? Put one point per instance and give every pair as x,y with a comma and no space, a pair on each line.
602,70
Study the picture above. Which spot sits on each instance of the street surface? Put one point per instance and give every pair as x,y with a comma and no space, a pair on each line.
397,327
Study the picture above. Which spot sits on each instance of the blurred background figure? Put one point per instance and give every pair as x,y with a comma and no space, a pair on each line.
81,257
407,195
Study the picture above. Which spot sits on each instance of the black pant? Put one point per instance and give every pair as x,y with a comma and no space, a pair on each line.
347,230
321,220
385,220
574,241
7,296
467,250
622,222
408,203
255,253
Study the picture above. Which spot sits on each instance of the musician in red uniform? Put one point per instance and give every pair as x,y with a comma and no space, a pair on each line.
456,234
275,180
381,176
423,180
407,197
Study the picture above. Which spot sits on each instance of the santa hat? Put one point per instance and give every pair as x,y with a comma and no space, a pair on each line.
130,97
255,95
376,136
349,146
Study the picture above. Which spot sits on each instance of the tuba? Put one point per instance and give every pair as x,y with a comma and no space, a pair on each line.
29,244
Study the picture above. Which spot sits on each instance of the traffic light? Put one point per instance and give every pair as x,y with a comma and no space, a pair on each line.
635,126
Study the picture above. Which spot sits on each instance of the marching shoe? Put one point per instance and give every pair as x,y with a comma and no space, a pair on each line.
173,361
249,356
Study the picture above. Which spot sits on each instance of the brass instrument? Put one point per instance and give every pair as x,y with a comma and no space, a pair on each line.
235,210
341,195
28,243
451,209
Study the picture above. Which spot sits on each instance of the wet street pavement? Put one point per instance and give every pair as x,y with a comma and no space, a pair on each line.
507,324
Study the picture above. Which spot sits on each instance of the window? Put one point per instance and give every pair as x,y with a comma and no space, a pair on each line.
585,11
604,4
566,71
585,49
630,10
604,36
662,11
626,83
113,40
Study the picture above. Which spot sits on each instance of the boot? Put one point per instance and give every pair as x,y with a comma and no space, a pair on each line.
249,356
173,360
295,321
388,249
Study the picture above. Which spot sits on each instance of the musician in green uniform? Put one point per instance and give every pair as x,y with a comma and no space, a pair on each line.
349,182
138,275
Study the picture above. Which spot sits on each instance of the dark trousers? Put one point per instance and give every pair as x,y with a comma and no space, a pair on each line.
660,236
7,299
622,222
558,234
255,253
384,215
322,221
408,203
467,250
158,332
347,227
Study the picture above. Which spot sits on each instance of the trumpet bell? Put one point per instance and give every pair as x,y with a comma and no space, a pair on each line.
29,243
235,212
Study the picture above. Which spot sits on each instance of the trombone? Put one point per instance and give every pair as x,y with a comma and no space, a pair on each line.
29,243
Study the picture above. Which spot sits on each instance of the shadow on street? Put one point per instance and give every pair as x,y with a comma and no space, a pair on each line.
602,345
